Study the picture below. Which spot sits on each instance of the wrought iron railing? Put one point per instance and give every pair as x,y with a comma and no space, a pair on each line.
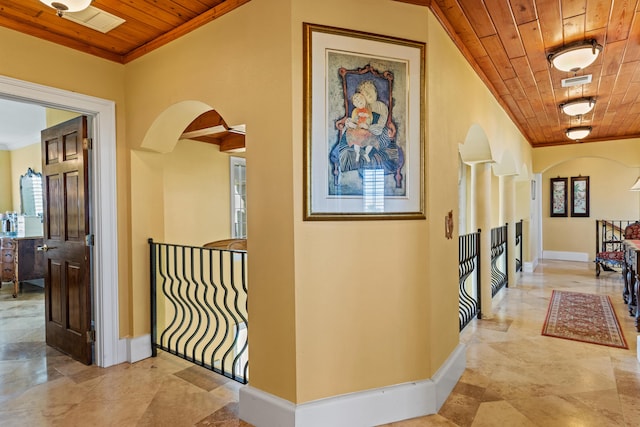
469,285
519,245
499,256
199,306
609,237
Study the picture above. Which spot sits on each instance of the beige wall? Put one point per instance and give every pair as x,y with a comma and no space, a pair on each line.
612,168
322,322
54,116
196,194
30,156
252,64
89,75
21,160
6,195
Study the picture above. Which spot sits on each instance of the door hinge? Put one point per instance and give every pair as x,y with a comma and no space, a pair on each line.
89,240
87,143
91,336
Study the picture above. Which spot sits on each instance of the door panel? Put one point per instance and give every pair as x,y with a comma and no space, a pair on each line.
66,224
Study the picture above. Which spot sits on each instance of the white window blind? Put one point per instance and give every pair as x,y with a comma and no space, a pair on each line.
238,198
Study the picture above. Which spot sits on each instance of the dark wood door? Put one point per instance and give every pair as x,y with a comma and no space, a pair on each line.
66,226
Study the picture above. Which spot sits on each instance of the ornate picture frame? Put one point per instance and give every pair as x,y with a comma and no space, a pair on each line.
558,197
364,125
580,196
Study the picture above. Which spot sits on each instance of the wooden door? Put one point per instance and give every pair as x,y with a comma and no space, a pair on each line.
66,227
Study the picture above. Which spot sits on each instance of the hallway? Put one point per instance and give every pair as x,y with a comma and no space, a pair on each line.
514,376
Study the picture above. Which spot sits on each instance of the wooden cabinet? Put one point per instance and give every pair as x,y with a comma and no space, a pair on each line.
21,260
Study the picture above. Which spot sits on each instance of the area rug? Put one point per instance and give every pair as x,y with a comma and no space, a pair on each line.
583,317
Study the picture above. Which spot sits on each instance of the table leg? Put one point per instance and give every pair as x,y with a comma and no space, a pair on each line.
636,291
627,279
632,291
15,289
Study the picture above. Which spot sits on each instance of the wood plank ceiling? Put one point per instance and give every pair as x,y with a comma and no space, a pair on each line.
506,42
148,24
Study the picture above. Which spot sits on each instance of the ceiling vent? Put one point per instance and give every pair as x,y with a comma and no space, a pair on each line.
94,18
575,81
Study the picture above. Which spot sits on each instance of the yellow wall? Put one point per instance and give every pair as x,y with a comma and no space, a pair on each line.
54,116
196,194
247,79
612,169
6,201
21,160
323,322
30,156
30,59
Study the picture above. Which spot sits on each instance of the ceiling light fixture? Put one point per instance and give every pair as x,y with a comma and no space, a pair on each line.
578,107
574,56
578,132
62,6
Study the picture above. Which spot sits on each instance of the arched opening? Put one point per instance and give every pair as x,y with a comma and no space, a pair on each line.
182,189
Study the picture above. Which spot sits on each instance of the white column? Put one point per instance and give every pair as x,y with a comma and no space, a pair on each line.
482,203
509,196
463,220
473,195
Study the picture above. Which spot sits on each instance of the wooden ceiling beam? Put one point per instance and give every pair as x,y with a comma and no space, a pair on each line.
233,142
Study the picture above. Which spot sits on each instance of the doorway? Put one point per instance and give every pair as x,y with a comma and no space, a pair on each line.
109,349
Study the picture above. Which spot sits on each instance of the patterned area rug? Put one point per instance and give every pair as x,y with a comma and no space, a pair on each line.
583,317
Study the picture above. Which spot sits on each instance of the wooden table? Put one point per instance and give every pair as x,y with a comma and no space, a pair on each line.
632,276
20,260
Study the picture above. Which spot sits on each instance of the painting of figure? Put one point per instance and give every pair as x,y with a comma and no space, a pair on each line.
364,125
367,105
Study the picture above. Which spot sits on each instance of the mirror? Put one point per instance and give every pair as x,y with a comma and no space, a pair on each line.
31,193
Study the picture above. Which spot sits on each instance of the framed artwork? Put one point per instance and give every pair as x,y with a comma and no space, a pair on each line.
558,193
364,126
580,196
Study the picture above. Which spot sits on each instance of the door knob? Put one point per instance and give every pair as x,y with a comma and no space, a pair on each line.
44,248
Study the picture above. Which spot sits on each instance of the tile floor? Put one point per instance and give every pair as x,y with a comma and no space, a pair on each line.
514,375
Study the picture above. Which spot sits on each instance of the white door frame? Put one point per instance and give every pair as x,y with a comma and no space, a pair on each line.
108,350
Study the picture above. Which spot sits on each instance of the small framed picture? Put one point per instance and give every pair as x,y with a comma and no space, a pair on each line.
580,196
558,200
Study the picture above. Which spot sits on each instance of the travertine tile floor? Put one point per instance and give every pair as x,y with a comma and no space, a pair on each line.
514,375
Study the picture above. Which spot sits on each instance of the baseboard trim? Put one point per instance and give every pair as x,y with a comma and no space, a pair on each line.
566,256
365,408
138,348
530,267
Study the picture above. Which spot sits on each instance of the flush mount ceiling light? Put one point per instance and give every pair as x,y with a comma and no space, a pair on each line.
574,56
579,132
578,107
62,6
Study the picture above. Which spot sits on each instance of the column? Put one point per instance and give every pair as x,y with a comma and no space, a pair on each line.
481,218
508,216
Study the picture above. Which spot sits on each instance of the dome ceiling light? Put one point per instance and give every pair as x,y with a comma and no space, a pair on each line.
574,56
62,6
578,132
578,107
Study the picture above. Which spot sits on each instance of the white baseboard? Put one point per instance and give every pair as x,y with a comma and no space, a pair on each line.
138,348
449,373
530,267
566,256
365,408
